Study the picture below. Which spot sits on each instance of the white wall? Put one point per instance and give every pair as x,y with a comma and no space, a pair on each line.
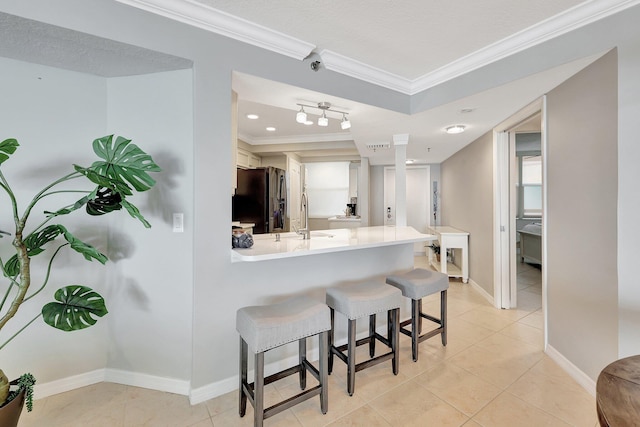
152,269
55,115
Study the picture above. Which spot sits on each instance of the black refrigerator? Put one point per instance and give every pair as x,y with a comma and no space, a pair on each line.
261,198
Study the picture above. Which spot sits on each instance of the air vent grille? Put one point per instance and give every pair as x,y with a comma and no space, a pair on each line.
379,146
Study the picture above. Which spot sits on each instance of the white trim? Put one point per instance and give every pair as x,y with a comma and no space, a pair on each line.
350,67
202,16
569,20
136,379
545,215
580,377
481,291
293,139
42,390
153,382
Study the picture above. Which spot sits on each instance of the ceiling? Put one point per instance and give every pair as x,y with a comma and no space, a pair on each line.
406,48
423,43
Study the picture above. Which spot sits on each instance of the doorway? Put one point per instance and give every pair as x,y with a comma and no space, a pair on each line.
519,210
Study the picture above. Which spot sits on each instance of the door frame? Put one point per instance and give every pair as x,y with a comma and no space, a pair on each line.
505,258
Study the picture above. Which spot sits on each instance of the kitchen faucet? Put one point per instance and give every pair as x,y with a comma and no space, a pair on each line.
304,213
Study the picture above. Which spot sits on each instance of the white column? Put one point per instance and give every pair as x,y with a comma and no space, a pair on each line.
400,142
363,192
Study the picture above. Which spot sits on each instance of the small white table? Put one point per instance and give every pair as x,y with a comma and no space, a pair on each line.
449,237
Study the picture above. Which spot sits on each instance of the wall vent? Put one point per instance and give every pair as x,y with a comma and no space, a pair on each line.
379,146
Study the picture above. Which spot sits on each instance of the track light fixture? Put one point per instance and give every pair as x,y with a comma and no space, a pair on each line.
323,120
301,116
345,123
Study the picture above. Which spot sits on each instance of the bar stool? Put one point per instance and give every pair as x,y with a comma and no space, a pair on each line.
416,284
357,301
266,327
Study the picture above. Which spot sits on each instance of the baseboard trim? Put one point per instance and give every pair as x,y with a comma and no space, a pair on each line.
42,390
136,379
574,372
153,382
482,291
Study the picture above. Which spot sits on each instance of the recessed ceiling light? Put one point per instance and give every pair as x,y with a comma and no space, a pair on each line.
467,110
455,129
409,161
271,129
252,116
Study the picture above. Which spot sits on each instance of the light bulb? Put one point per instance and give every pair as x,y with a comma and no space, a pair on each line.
345,123
301,116
323,120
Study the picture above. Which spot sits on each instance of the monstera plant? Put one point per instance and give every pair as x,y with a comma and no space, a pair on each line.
122,169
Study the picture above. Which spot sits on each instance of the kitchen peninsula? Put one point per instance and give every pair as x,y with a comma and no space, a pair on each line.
288,245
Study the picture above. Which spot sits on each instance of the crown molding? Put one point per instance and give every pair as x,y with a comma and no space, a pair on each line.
293,139
344,65
569,20
194,13
210,19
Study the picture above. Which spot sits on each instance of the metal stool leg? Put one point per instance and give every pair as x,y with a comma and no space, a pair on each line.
243,377
324,375
372,334
302,357
443,316
258,390
395,340
351,357
330,364
415,322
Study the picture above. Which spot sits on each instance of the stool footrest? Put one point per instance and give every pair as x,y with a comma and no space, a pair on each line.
282,374
292,401
371,362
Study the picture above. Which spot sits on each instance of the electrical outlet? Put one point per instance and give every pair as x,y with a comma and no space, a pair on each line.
178,222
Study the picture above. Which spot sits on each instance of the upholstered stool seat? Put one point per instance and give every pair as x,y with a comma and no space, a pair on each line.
263,328
417,284
354,302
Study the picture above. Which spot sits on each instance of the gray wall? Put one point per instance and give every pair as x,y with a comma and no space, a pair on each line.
467,203
581,224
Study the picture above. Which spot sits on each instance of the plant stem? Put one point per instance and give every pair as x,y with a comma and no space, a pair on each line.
46,279
21,329
5,186
39,196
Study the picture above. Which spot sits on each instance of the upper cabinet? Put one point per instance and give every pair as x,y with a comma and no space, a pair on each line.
247,160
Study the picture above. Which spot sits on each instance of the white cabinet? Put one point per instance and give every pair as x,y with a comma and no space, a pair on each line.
448,238
247,160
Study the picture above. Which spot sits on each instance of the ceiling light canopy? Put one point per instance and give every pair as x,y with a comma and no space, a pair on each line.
323,120
455,129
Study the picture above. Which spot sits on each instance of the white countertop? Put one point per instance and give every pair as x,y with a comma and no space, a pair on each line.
325,241
445,229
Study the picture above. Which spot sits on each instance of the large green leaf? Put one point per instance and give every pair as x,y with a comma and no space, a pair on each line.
77,308
83,248
106,200
134,212
124,162
34,244
104,181
7,147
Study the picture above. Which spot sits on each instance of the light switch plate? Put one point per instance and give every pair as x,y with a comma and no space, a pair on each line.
178,222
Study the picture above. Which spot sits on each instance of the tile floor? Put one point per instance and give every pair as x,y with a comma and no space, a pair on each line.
492,373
